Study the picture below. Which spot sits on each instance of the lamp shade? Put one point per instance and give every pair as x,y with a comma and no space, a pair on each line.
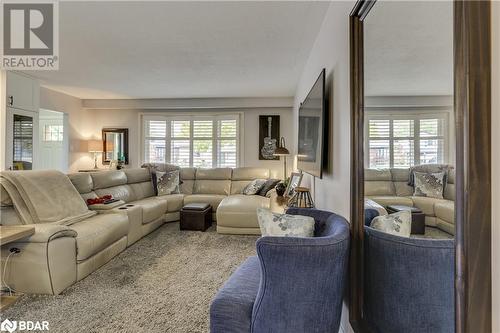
94,146
281,150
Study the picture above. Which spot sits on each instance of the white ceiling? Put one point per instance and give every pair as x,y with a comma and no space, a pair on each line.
183,49
409,48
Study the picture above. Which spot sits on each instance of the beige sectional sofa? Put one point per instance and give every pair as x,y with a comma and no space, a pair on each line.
390,187
57,256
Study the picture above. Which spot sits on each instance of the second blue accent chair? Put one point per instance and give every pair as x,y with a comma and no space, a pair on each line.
293,285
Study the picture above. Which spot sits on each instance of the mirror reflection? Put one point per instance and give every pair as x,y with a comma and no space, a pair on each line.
115,144
409,140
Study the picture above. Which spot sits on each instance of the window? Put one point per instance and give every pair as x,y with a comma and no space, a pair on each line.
193,141
401,140
53,133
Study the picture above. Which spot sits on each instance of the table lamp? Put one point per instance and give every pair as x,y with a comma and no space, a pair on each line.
94,146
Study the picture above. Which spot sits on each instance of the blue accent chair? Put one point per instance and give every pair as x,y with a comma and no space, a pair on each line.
293,285
408,284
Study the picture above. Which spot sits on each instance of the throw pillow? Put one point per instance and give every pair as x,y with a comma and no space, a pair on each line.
429,184
167,182
285,225
268,186
398,224
254,187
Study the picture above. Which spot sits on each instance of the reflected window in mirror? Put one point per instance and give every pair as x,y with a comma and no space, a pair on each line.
115,144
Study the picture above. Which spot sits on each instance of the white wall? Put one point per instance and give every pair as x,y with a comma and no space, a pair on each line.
96,119
72,106
331,51
495,125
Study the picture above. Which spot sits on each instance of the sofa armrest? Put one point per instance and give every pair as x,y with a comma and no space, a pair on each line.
44,233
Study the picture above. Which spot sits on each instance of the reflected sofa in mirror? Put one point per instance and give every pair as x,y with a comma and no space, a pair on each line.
409,168
115,145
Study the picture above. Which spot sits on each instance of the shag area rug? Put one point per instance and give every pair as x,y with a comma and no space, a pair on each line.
162,283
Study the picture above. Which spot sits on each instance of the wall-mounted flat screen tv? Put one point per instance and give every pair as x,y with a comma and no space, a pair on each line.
312,114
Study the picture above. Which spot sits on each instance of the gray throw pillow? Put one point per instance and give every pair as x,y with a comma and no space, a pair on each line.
268,186
167,182
254,187
285,225
429,184
398,224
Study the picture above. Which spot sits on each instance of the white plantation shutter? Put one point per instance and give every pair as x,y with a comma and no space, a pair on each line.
192,141
401,140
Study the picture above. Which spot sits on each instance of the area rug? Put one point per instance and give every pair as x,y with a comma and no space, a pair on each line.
162,283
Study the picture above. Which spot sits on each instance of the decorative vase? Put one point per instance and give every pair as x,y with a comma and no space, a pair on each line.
280,189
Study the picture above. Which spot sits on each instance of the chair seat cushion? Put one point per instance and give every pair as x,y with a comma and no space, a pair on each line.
98,232
152,208
231,309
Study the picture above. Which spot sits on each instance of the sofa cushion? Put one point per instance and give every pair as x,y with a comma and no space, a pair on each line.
426,204
98,232
237,186
445,226
379,188
249,173
378,175
231,309
152,208
214,174
445,211
121,192
239,210
386,200
174,202
142,190
222,187
106,179
213,199
400,175
82,181
137,175
403,189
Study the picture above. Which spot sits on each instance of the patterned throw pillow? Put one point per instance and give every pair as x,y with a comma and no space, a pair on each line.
285,225
254,187
398,224
268,186
167,182
429,184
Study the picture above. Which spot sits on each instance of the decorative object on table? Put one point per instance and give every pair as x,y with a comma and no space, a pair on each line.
273,224
113,165
268,186
294,182
417,217
398,224
280,189
100,200
253,187
301,199
269,133
121,162
196,216
95,147
115,145
166,183
281,151
429,184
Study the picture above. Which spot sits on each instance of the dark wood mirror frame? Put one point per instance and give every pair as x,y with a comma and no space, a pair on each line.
124,131
472,99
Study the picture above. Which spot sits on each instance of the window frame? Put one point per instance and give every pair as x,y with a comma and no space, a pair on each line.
169,117
403,114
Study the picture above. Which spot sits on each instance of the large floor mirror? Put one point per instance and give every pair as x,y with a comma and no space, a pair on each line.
420,256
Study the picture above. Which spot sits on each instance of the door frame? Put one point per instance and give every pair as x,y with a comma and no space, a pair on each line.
472,99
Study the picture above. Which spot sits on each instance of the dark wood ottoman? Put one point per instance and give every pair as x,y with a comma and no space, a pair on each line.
417,217
196,216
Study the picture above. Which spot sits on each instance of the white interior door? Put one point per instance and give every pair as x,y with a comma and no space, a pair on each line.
53,141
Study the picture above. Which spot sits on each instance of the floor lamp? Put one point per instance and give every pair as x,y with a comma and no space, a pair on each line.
282,151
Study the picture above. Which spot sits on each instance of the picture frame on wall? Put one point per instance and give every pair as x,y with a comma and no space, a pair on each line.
295,180
269,135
